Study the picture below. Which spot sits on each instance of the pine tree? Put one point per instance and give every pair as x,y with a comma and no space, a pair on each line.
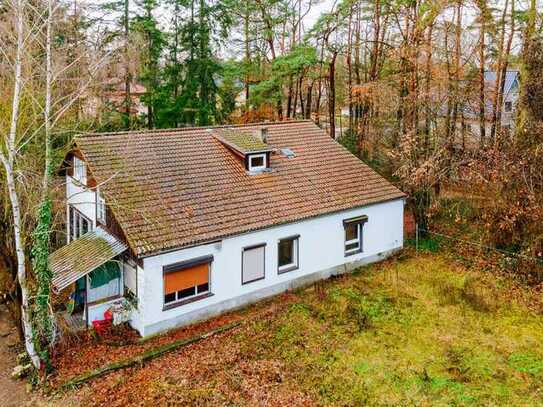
205,30
153,42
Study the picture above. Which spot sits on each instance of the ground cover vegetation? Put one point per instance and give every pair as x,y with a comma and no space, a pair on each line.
399,83
419,329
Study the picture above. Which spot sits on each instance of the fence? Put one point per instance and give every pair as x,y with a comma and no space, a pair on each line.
518,264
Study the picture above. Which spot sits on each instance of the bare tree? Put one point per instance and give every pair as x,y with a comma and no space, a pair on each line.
37,72
7,155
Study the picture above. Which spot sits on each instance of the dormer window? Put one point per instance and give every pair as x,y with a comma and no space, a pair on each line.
252,148
257,162
80,171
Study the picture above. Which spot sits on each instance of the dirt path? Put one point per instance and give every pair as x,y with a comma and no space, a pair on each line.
12,393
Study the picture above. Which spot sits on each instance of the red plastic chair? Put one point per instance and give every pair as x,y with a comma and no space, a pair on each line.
101,326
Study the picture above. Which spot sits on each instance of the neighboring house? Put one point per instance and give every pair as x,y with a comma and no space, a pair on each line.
112,94
511,94
508,108
189,223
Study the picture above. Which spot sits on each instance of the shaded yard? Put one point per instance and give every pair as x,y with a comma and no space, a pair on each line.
421,330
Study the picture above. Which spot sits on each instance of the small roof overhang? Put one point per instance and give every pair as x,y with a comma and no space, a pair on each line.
242,143
80,257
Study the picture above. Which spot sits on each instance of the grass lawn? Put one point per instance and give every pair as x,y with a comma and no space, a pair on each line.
417,331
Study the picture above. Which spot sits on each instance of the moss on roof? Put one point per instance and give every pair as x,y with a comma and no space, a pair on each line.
180,187
243,142
83,255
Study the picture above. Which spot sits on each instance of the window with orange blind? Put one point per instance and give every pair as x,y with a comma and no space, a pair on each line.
186,280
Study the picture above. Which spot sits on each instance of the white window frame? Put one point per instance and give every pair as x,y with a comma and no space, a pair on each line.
358,223
354,241
80,171
295,255
506,104
257,167
181,300
100,208
181,267
79,217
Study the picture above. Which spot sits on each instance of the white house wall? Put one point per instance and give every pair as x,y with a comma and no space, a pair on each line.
136,317
96,312
508,118
83,199
321,253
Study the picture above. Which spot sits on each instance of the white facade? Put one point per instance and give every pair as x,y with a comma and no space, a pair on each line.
320,248
81,198
321,254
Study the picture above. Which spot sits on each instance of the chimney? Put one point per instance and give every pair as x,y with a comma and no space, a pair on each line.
262,134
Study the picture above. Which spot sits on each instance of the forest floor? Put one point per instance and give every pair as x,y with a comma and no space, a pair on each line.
12,393
420,329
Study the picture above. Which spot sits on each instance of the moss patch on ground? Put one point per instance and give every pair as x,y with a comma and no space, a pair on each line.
417,331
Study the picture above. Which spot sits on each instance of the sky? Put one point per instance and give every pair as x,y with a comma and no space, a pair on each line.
322,7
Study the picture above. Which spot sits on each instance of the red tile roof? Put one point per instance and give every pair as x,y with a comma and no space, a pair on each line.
180,187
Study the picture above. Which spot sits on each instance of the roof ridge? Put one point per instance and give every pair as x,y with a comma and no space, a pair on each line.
184,129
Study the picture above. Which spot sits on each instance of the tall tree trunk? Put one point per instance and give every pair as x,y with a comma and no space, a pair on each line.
43,319
319,88
127,73
449,88
482,115
175,59
247,53
456,83
8,161
289,98
427,101
374,56
21,264
299,94
332,94
348,60
504,67
401,116
357,64
308,100
497,84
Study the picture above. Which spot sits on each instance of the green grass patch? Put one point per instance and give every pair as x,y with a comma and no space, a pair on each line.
527,363
416,332
428,244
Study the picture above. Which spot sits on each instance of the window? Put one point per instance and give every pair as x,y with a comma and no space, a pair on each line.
353,234
79,224
287,254
80,170
252,264
187,280
508,107
100,209
257,162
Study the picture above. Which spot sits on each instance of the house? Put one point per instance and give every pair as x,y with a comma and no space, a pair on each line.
167,227
508,109
112,94
511,92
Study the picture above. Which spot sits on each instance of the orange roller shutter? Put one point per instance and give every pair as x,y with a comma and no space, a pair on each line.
186,278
